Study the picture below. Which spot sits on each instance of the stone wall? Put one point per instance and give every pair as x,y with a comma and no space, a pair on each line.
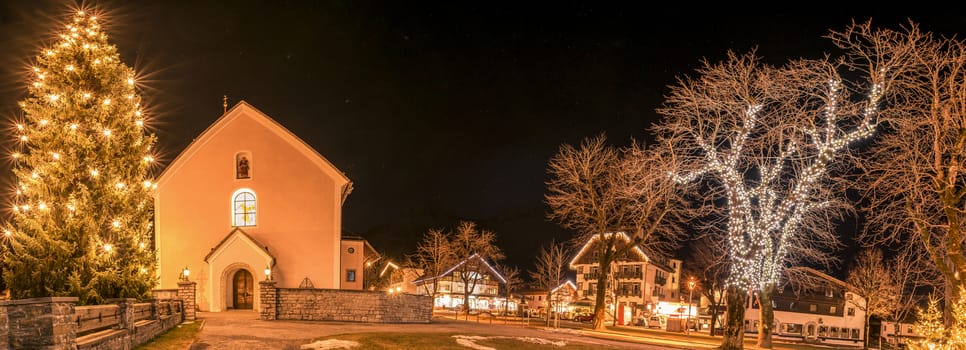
52,324
342,305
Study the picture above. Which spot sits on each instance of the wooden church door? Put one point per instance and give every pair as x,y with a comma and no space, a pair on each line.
243,290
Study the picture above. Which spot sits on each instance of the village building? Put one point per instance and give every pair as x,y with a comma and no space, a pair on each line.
638,286
450,287
823,310
247,201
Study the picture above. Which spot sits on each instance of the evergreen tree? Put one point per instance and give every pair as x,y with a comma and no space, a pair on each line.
81,223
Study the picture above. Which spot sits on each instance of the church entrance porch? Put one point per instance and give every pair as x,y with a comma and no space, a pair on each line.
242,290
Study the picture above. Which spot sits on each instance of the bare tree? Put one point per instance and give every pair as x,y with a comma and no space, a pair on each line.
549,271
513,281
915,277
434,254
709,265
915,177
474,249
870,279
771,142
599,191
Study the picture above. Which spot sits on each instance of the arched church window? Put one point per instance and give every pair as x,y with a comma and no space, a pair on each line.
243,208
243,165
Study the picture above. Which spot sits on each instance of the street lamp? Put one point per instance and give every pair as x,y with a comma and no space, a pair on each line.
687,325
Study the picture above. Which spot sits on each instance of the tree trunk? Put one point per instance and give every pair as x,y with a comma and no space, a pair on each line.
734,332
600,308
766,315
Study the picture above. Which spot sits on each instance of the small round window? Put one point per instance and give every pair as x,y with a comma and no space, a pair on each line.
351,250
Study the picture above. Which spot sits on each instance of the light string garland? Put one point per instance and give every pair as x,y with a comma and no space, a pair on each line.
765,212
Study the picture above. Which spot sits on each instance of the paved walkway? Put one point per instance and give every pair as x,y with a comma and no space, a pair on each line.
243,330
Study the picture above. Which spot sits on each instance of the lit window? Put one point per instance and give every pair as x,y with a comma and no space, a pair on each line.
831,310
812,308
244,208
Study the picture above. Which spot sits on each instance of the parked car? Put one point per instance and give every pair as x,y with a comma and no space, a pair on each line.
655,322
584,318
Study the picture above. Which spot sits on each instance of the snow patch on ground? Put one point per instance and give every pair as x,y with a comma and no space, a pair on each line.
330,344
470,341
542,341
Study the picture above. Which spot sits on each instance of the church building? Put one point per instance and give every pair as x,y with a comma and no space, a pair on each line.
247,201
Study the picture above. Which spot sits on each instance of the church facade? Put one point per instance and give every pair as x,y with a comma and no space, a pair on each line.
246,201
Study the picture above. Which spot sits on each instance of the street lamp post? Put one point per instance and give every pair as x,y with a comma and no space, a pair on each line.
687,324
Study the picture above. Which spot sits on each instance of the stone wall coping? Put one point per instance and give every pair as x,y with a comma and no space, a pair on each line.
185,283
41,300
114,300
165,290
337,290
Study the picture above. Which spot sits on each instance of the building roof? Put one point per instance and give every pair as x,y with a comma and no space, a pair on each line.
233,115
489,267
245,237
636,250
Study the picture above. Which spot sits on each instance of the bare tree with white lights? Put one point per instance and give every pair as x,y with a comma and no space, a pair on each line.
770,142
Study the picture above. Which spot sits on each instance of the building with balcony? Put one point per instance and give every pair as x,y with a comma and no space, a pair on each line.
485,285
637,284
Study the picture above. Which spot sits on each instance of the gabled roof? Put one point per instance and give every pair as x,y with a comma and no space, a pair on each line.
461,263
824,276
565,283
238,233
370,251
622,236
240,109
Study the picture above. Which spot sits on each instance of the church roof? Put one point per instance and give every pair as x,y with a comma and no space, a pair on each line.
240,109
245,237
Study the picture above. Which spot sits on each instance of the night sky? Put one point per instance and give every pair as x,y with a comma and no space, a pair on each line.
436,112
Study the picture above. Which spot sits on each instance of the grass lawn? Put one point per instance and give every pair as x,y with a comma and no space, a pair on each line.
179,337
447,341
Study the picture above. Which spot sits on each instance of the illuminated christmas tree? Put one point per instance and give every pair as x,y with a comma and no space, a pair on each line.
81,222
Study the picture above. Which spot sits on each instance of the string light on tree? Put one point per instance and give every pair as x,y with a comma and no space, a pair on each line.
77,130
